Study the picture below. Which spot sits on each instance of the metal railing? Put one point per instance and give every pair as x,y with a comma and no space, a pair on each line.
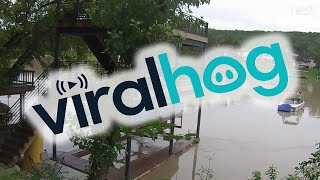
192,24
78,10
41,84
25,77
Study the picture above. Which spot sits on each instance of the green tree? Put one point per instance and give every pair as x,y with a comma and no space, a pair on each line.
306,45
134,24
309,169
26,33
27,28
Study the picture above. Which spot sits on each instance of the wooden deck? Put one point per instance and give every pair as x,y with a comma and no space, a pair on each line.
191,36
22,83
82,27
72,23
17,89
138,167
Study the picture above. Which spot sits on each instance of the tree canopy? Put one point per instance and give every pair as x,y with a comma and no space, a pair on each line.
27,28
306,45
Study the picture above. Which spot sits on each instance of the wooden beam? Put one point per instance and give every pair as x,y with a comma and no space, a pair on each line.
16,89
190,36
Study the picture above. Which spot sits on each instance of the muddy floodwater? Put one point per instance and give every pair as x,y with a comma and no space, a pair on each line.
243,136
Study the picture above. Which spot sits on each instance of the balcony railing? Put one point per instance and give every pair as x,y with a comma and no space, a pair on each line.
25,77
74,10
41,84
192,24
78,10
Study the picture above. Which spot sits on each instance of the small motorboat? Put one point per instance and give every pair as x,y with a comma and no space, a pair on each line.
291,105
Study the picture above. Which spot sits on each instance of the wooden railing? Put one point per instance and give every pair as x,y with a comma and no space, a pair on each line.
41,84
76,9
192,24
5,118
25,77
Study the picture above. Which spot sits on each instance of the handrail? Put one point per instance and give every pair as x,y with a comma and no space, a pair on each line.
192,24
74,10
26,77
41,84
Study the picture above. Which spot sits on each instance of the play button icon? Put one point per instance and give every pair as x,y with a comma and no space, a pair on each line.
71,84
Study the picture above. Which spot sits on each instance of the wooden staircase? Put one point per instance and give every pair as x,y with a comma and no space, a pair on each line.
16,134
97,46
72,19
15,140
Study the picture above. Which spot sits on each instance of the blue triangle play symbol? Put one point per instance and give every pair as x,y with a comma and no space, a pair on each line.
71,84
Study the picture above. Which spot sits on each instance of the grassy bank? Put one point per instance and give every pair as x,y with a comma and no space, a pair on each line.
311,74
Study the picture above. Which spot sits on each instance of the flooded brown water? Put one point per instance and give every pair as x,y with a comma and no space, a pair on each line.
243,136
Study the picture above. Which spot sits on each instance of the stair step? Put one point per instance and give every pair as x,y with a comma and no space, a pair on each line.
9,161
18,142
20,137
9,148
15,142
5,161
8,154
25,130
96,45
13,146
6,127
22,134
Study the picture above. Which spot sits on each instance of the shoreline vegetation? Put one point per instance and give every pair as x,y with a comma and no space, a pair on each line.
310,75
309,169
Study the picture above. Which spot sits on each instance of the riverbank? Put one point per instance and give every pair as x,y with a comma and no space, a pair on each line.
311,74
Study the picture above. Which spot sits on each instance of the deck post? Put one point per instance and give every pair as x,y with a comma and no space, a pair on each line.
199,119
56,67
173,119
57,50
58,8
178,48
77,9
54,147
194,165
128,158
22,104
200,105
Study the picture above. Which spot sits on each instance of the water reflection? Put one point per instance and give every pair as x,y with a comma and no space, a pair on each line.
165,172
245,136
311,93
291,118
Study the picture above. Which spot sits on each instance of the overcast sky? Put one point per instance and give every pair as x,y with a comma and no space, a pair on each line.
280,15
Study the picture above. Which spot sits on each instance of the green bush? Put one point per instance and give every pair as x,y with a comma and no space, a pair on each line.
309,169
